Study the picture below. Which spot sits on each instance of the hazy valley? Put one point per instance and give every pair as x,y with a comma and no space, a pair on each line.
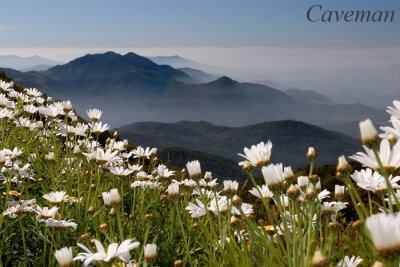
218,115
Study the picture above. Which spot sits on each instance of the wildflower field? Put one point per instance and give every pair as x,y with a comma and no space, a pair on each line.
73,194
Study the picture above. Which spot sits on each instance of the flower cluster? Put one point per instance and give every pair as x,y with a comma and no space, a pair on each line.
81,195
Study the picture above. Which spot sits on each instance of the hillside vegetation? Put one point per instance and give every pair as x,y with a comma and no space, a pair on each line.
73,194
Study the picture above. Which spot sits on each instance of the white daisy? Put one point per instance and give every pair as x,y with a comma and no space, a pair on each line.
390,157
394,131
206,183
111,198
385,231
140,152
31,109
373,181
120,171
60,223
303,181
102,157
99,127
163,172
173,189
46,212
56,197
273,175
230,186
64,257
150,252
94,114
196,210
33,92
350,262
17,209
193,168
261,192
114,251
333,206
245,209
395,110
258,155
146,184
219,205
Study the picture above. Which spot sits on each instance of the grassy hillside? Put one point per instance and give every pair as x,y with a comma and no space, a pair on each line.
73,194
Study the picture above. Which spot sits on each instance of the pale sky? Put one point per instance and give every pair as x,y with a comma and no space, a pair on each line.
257,34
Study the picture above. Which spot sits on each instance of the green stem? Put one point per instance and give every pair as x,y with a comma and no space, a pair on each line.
121,230
21,227
370,203
311,167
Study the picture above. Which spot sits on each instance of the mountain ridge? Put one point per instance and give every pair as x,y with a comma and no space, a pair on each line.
134,85
25,63
291,139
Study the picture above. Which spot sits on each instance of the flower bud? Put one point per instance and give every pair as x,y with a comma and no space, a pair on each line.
247,166
208,176
319,260
343,165
85,236
314,178
2,157
293,191
234,220
311,154
303,181
236,200
150,252
149,216
356,224
178,263
112,212
392,139
339,191
50,157
369,134
103,227
378,264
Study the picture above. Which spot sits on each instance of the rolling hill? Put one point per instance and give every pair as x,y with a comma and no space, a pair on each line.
291,139
308,96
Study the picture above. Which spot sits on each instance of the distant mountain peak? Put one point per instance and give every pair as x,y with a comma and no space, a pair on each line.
224,81
112,61
26,62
